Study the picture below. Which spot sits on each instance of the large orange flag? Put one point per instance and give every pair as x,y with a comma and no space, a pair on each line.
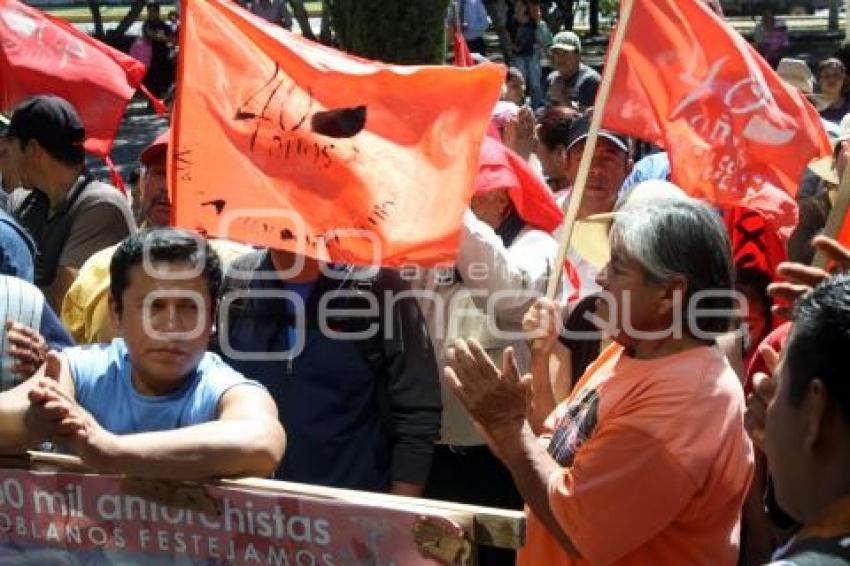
286,143
688,82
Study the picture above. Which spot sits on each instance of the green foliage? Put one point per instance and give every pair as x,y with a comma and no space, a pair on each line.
609,8
395,31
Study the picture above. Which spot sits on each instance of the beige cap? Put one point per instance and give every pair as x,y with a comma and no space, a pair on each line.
642,193
796,73
824,167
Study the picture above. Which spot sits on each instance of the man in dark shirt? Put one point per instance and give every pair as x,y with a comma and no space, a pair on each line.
360,412
572,83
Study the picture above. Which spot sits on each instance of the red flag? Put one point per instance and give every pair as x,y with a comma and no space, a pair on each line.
463,56
688,82
500,168
40,54
286,143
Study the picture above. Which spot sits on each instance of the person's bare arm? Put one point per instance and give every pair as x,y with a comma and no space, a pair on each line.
246,440
496,400
407,489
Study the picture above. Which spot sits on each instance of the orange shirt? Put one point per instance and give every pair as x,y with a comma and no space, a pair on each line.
656,463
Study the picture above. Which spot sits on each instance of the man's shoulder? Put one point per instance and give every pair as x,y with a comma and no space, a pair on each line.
92,365
97,192
587,73
93,355
217,376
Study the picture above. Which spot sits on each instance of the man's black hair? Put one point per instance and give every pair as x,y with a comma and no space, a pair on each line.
555,125
819,341
163,245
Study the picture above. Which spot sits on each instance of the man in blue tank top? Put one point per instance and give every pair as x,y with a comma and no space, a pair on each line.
153,403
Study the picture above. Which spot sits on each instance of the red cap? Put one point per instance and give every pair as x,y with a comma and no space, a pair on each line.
500,168
155,149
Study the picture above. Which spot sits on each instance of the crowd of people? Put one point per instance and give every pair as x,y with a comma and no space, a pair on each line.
680,400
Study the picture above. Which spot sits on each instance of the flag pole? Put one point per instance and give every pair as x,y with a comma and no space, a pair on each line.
836,216
590,145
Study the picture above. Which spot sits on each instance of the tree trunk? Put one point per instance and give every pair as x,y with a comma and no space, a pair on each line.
594,18
833,15
395,31
128,20
96,18
847,22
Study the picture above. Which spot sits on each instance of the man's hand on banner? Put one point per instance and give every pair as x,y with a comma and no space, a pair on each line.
56,416
49,405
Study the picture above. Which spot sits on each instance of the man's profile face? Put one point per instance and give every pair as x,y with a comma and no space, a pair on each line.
8,171
153,193
166,321
492,207
784,447
17,160
550,159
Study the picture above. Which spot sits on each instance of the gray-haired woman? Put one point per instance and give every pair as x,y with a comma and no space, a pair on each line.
647,461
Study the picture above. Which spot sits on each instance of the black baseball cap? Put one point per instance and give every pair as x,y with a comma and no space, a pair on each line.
581,128
51,121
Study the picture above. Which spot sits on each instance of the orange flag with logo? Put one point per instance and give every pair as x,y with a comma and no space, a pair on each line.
282,142
688,82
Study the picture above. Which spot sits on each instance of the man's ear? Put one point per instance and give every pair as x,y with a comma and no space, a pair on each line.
816,413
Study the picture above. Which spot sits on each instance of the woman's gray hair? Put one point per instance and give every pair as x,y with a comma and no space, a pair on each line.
682,237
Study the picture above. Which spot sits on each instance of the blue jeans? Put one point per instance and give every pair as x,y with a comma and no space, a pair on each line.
529,66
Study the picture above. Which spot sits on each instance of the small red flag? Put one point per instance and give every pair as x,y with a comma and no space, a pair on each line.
463,56
40,54
688,82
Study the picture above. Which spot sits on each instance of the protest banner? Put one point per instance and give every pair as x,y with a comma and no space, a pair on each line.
101,519
104,520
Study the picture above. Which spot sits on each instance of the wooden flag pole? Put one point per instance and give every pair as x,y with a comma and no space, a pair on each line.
836,216
590,146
